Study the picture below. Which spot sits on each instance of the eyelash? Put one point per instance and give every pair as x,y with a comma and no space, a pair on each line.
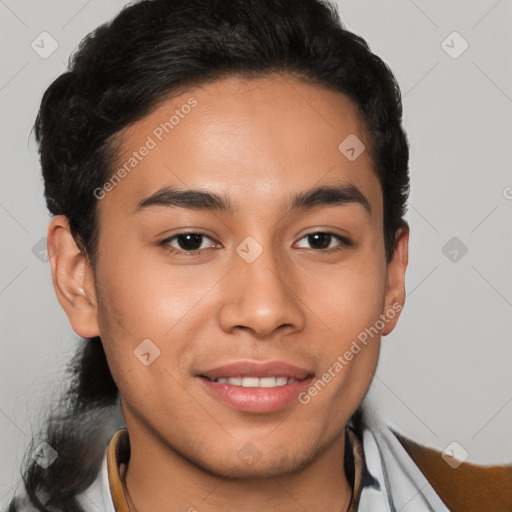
344,242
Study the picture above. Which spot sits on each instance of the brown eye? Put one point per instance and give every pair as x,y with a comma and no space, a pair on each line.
189,242
324,240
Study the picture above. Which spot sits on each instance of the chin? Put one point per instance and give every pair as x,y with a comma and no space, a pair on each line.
249,463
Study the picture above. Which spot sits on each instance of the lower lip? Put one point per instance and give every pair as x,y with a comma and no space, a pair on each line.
256,400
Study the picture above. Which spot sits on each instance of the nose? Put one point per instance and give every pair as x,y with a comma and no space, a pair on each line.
262,297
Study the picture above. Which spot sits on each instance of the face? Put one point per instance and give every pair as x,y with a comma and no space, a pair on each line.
233,317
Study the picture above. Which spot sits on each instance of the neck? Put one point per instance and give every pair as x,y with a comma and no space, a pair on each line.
156,479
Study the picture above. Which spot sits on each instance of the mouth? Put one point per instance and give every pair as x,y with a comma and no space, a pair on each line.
255,382
256,387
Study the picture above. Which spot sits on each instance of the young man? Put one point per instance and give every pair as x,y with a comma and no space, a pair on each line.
228,181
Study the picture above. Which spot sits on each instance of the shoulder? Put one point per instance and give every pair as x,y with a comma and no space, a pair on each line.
95,498
405,475
20,503
466,487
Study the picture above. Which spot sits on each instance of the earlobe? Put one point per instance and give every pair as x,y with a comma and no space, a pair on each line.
395,287
72,278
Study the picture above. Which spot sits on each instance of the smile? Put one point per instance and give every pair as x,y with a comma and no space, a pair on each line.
256,382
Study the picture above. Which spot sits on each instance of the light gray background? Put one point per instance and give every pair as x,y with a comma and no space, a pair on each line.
445,373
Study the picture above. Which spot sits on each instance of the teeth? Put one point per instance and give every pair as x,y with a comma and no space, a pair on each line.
255,382
250,382
270,382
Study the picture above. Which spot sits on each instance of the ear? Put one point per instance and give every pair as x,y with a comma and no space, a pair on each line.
72,278
395,286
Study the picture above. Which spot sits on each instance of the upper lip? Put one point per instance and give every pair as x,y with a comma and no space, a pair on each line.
256,369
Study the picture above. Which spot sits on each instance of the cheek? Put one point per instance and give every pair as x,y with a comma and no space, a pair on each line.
349,299
146,298
349,305
150,301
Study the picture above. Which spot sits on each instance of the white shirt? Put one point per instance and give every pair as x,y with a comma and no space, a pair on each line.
391,481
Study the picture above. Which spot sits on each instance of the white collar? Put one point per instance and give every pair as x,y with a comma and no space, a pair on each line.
392,481
395,482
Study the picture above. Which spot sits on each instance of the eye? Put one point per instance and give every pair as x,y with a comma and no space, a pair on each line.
188,242
325,240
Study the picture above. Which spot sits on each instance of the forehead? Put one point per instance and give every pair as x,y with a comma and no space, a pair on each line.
260,137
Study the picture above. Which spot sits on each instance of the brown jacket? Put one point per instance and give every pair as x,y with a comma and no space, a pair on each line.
468,488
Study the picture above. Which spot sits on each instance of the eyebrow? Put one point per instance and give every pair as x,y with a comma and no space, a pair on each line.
333,195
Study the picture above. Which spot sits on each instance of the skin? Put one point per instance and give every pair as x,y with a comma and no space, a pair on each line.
258,142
